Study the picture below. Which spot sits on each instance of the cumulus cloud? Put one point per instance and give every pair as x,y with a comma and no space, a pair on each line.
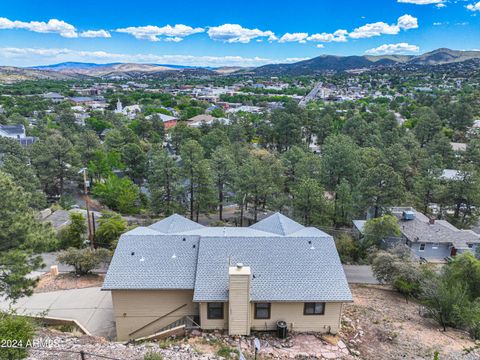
294,37
95,34
44,56
421,2
234,33
52,26
337,36
474,7
320,46
405,22
400,48
168,32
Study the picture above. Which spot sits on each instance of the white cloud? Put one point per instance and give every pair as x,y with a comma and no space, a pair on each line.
45,56
441,5
474,7
400,48
52,26
152,33
320,46
337,36
95,34
421,2
234,33
294,37
405,22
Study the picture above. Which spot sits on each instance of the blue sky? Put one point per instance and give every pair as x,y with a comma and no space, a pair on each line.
35,32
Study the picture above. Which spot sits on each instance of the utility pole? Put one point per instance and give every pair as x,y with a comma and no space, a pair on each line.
91,232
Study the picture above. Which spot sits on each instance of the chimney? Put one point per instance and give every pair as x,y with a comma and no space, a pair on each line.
431,220
239,300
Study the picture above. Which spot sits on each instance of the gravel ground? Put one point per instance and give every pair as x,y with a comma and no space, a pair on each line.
64,346
380,325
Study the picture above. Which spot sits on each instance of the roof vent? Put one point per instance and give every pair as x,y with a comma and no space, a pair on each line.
184,239
239,265
142,259
174,256
133,253
194,246
408,215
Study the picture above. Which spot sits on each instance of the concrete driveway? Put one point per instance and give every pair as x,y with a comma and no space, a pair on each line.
90,307
359,274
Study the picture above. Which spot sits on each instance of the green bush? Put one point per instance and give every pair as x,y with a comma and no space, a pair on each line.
110,227
153,356
16,331
84,260
73,235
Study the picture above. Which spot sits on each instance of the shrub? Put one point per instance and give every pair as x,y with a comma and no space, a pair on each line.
349,250
84,260
18,329
73,235
153,356
110,227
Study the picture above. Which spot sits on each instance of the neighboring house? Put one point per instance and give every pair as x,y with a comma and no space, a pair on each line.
458,147
206,119
451,174
229,278
428,238
53,96
168,121
17,132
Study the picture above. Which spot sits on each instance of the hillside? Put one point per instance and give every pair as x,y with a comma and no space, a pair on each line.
325,63
10,74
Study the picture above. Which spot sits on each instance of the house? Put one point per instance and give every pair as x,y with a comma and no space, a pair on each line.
206,119
431,239
168,121
236,279
17,132
53,96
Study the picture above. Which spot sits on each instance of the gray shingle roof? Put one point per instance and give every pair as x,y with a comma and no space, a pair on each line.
158,262
283,269
278,224
420,230
175,224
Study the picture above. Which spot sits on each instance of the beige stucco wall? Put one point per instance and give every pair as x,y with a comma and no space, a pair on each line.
212,324
136,308
290,312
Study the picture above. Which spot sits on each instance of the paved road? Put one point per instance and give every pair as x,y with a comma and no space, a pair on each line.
359,274
91,307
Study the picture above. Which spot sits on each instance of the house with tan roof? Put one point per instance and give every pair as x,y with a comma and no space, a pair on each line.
178,273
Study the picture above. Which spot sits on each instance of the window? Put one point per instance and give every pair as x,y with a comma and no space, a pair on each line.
470,246
314,308
262,310
422,247
214,311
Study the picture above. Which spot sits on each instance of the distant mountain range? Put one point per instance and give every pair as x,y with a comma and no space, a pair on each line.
345,63
320,64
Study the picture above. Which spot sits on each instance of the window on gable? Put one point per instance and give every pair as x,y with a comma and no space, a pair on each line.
422,247
317,308
262,310
215,310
